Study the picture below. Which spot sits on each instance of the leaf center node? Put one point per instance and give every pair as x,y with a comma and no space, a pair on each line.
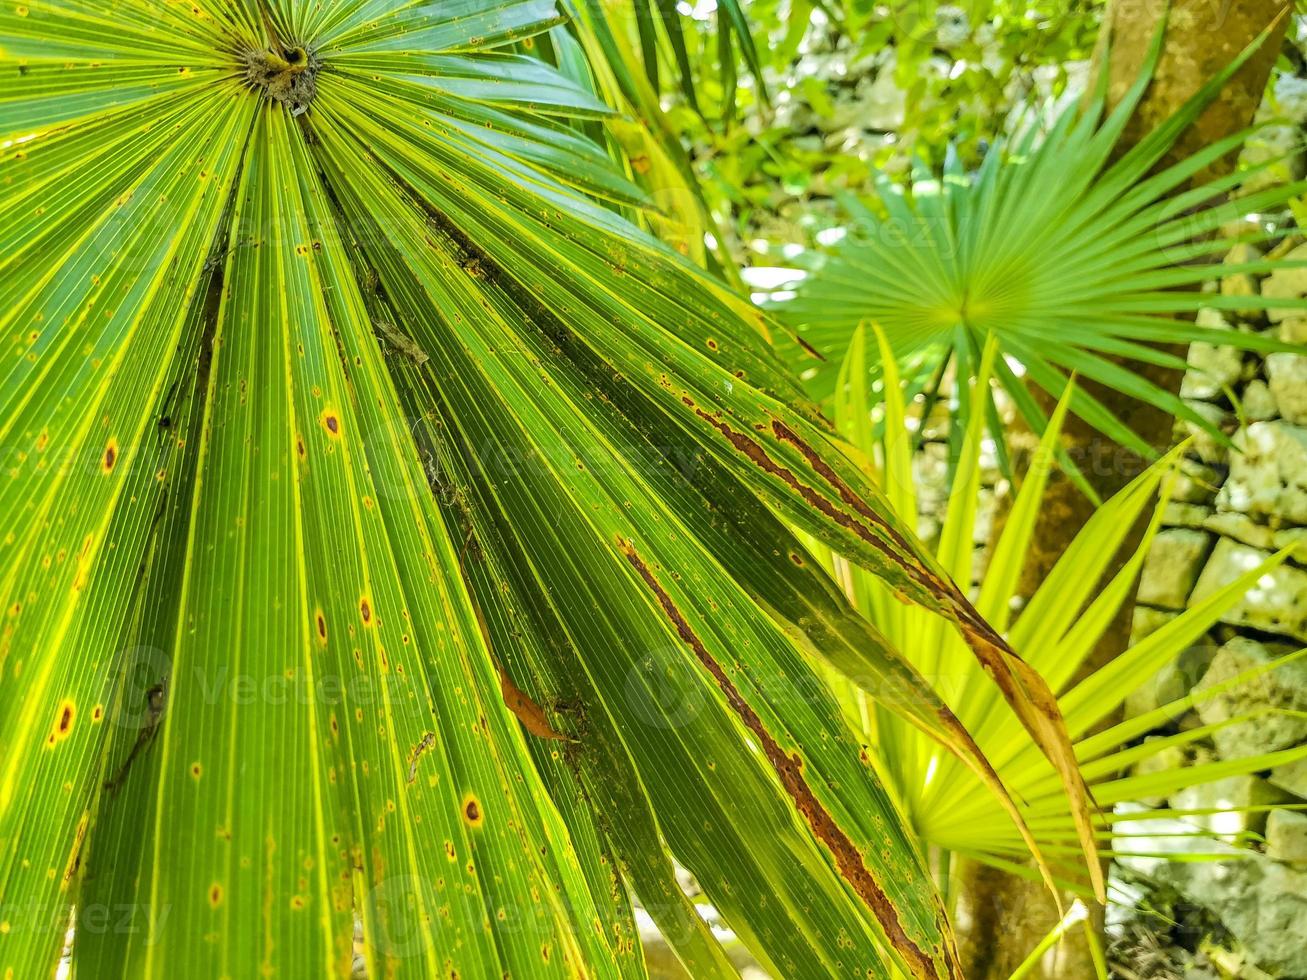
287,73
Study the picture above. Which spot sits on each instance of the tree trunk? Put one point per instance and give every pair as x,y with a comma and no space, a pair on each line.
1002,917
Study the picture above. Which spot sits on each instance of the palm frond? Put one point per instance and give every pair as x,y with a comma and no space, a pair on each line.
1057,629
392,528
1073,259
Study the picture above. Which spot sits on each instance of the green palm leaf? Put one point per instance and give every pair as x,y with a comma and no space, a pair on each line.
1058,627
1072,258
344,410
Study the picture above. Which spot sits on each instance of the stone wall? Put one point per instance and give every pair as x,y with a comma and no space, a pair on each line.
1232,509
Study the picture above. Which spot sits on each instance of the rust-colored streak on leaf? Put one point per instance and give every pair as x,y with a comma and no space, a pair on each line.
917,571
790,771
530,714
809,349
1027,692
1022,687
75,855
754,451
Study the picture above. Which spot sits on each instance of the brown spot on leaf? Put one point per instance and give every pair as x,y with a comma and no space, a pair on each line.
472,811
63,721
215,895
110,456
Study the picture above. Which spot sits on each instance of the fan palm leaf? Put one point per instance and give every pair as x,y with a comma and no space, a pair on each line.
1078,259
1057,628
391,529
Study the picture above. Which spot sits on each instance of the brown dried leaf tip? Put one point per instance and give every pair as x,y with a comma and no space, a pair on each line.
287,73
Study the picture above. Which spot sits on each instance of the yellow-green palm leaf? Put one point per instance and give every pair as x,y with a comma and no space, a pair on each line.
346,421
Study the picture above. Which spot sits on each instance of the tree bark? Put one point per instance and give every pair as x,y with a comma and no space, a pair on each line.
1002,917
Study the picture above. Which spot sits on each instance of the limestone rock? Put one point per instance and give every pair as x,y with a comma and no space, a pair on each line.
1284,246
1165,760
1148,620
1211,368
1283,688
1287,283
1175,559
1233,796
1287,377
1240,284
1241,527
1292,777
1261,901
1268,473
1257,402
1196,483
1206,445
1280,143
1286,836
1174,679
1277,603
1293,330
1177,514
1295,537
